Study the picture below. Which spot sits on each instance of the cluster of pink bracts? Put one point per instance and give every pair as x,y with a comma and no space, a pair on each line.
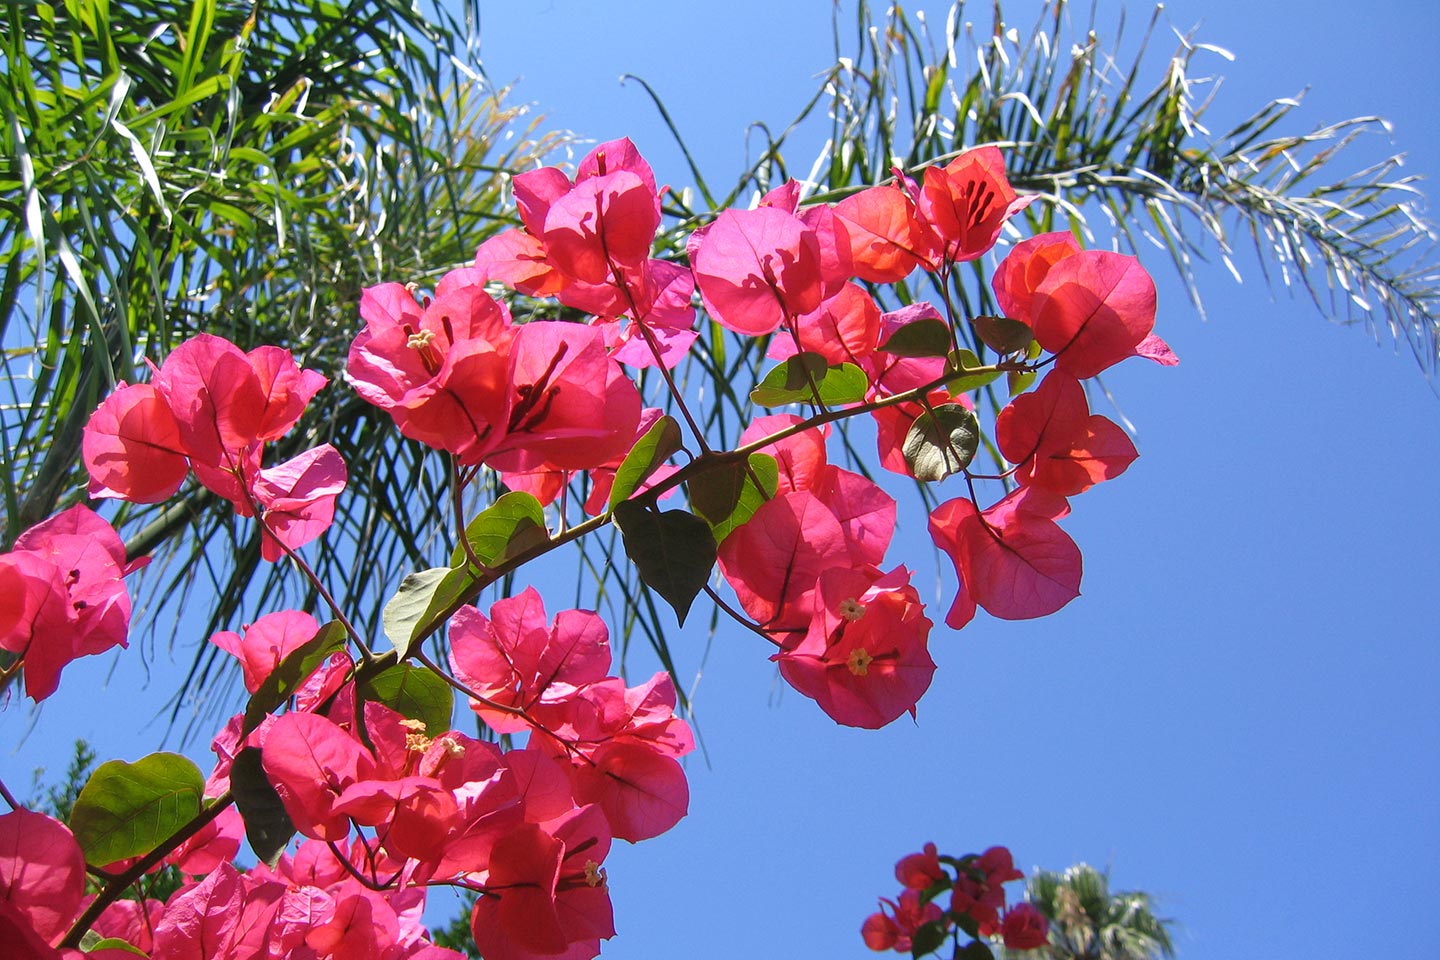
977,903
387,810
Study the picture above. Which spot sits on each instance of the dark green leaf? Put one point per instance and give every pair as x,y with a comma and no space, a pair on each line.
975,950
962,361
128,809
415,692
291,672
512,524
649,452
797,380
927,938
926,337
726,496
674,551
1002,334
942,442
267,826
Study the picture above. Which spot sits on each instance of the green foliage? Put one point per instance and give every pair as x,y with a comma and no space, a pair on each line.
58,799
456,934
1089,922
267,826
415,692
187,165
673,551
942,441
127,809
807,378
658,444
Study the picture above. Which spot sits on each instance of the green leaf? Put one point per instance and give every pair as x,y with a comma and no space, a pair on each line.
936,85
962,361
1019,381
725,496
1002,334
942,442
975,950
92,941
926,337
420,597
267,826
128,809
797,379
415,692
649,452
291,672
674,551
509,526
927,938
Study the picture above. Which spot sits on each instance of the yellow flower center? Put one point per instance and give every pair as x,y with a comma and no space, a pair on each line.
851,609
594,874
859,661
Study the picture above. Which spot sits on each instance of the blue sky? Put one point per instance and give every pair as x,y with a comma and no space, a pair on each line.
1239,714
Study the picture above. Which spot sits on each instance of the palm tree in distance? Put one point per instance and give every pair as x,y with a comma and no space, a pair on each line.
1089,922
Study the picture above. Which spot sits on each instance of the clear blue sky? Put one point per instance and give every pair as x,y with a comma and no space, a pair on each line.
1239,715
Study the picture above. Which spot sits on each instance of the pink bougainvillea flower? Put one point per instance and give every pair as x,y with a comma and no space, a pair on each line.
415,815
880,931
286,387
297,499
1092,310
968,201
998,865
620,745
267,642
800,457
916,871
662,313
1057,443
844,328
202,921
864,659
1024,928
42,872
512,658
62,595
755,269
131,447
215,843
602,228
774,561
572,406
1013,559
1025,266
546,893
217,398
887,239
1119,295
894,926
516,258
311,761
441,370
